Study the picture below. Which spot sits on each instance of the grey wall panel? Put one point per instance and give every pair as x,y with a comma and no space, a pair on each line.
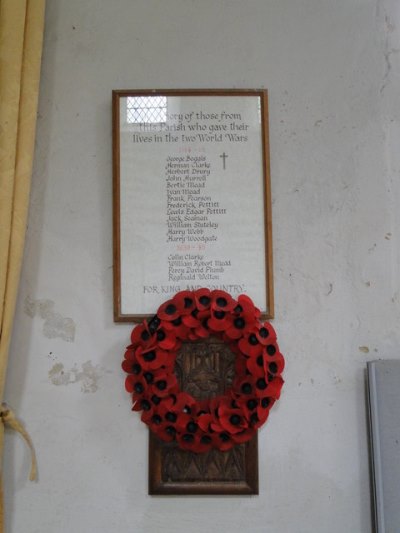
384,404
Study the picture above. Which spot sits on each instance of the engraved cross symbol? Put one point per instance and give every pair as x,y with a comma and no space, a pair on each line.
224,156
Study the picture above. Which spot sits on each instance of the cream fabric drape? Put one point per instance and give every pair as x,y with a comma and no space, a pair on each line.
21,36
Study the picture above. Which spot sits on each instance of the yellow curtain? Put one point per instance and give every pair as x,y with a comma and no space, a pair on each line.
21,36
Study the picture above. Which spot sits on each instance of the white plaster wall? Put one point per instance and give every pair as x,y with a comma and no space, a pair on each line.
332,69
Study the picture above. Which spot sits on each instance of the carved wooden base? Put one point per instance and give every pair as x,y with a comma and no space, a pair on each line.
176,471
204,369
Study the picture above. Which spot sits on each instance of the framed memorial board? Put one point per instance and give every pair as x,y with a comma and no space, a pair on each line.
191,189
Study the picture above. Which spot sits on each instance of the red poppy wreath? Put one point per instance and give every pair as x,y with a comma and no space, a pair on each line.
172,414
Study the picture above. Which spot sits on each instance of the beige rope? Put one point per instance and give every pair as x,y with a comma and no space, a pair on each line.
9,420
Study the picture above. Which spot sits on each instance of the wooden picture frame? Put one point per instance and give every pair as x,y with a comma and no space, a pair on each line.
166,240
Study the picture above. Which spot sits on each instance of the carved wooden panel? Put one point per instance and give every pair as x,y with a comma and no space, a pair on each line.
204,369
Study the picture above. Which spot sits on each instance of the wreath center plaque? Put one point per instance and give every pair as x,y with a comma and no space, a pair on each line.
204,369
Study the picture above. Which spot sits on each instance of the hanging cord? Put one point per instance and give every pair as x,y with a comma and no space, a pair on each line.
9,420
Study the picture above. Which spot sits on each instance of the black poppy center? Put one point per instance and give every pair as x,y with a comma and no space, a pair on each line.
161,385
238,309
177,321
192,427
252,404
219,314
149,356
264,333
261,384
265,402
273,367
188,302
194,313
246,388
136,369
145,335
170,430
146,405
239,323
138,387
148,376
155,399
161,335
156,419
254,418
204,300
221,302
171,417
234,420
153,324
205,439
271,350
187,437
260,360
253,340
224,437
170,309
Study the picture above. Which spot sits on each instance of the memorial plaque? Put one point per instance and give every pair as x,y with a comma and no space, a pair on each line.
192,201
204,369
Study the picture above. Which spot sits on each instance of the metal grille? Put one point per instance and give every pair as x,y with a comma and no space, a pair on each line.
142,109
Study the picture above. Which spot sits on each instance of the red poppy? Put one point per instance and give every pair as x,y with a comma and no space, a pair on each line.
250,345
219,320
177,328
265,333
169,310
166,337
256,365
274,388
244,385
231,419
240,326
203,299
154,358
190,441
165,431
205,442
185,301
248,404
202,331
147,409
246,306
136,385
264,363
130,363
222,301
163,384
243,436
224,441
204,420
141,335
181,401
196,317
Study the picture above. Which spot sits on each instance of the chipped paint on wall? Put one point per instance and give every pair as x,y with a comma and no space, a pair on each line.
55,325
363,349
88,376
